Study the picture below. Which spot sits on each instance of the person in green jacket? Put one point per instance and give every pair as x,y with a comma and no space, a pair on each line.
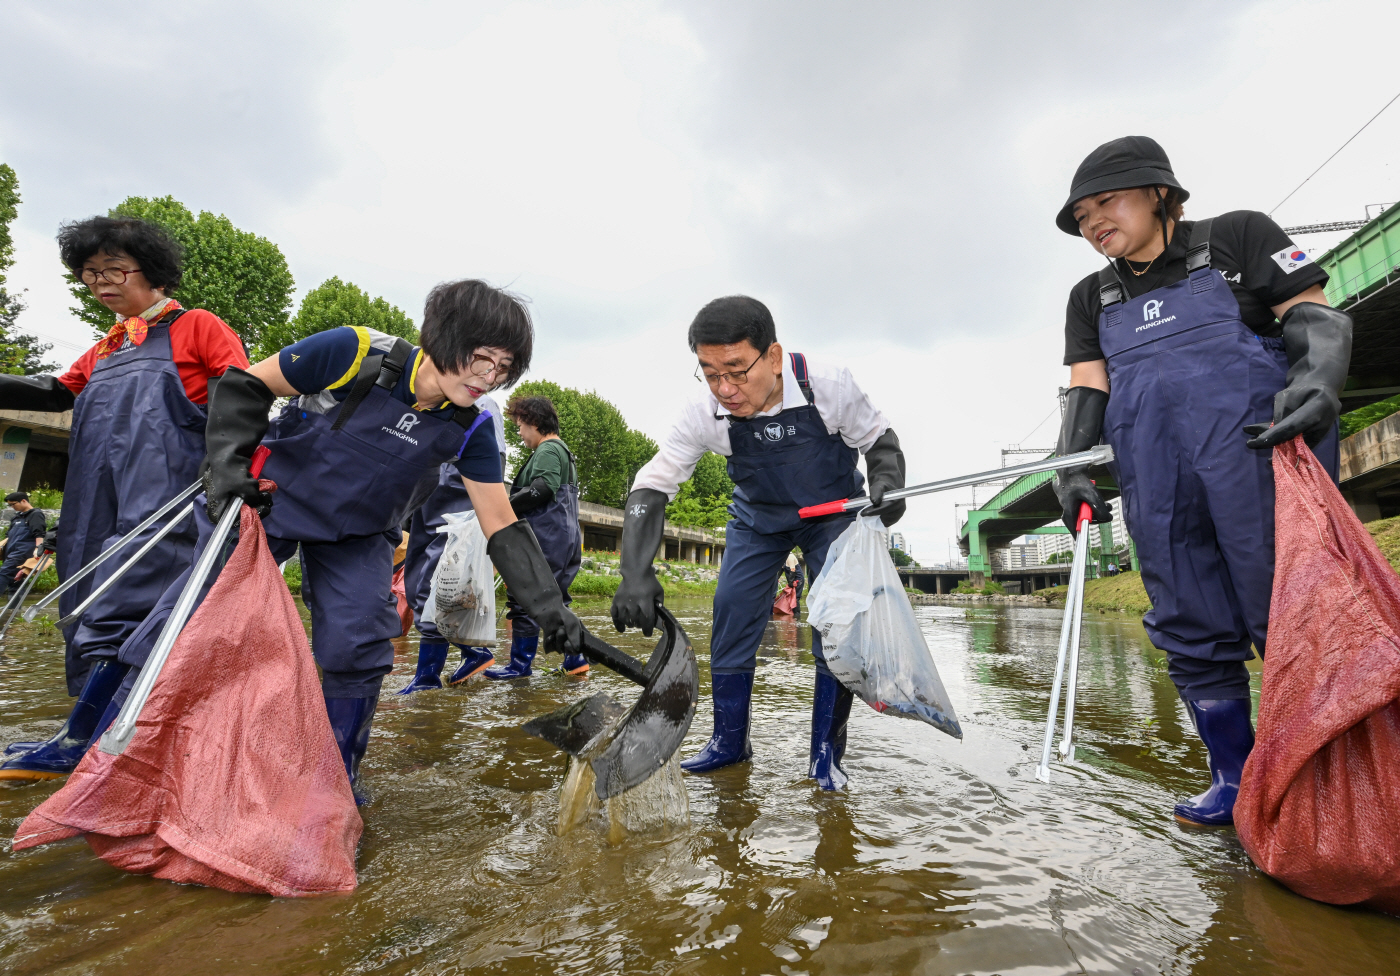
545,494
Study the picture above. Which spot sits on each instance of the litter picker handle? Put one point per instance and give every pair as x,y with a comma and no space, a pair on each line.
1086,516
1098,455
118,736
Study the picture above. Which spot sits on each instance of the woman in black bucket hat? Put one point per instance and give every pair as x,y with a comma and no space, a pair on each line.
1193,333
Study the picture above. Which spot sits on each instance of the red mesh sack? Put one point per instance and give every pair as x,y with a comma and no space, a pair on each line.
233,778
786,603
401,600
1319,801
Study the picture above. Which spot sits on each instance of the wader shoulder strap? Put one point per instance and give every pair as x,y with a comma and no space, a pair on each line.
1110,288
1198,246
382,371
799,369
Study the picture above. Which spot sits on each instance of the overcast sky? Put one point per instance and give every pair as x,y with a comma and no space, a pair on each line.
883,175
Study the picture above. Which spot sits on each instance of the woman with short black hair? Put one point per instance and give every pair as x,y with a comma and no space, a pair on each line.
1196,349
545,494
139,401
357,450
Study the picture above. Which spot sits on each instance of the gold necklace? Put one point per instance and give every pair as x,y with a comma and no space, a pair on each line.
1144,271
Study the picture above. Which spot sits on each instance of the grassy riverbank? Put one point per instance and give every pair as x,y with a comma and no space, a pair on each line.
1122,592
1386,532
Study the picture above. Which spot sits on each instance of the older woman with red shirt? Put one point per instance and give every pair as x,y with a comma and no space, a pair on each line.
139,407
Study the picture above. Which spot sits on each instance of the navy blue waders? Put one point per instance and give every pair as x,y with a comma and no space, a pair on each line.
137,442
19,546
557,527
1186,375
779,464
344,478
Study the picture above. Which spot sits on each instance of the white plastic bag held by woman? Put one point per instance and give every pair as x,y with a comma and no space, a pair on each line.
870,638
462,600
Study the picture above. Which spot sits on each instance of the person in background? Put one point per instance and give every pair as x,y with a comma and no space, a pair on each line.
139,400
792,575
544,494
425,546
1195,337
25,539
794,436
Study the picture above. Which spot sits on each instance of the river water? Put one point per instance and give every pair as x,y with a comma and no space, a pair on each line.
943,857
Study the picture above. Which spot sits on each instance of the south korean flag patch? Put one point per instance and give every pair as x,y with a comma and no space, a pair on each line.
1291,259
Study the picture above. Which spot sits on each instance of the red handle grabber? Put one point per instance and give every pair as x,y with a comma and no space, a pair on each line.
260,456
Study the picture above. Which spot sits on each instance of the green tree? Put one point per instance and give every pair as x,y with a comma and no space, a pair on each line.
703,500
607,452
240,277
20,354
900,557
330,305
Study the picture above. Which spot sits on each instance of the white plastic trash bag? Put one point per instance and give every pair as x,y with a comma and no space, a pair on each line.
462,599
870,638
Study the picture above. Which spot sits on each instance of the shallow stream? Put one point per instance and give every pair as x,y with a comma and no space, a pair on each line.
943,857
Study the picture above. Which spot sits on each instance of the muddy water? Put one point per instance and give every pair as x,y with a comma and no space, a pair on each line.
943,857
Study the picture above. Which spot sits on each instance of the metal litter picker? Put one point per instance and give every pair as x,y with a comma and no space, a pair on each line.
1098,455
118,736
1069,642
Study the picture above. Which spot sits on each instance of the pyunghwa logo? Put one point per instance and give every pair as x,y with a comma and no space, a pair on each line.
407,422
774,432
1152,310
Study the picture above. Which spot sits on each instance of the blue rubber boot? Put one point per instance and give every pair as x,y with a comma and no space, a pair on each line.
831,709
575,664
15,747
1224,728
730,742
351,719
522,655
58,757
432,656
474,661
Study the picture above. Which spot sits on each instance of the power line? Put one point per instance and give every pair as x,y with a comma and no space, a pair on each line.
1334,155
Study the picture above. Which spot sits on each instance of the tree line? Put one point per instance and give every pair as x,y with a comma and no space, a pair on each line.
244,279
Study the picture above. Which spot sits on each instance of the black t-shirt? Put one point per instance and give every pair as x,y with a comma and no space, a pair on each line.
34,518
1248,249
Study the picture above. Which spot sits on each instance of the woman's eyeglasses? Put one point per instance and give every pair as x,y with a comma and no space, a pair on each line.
113,276
486,366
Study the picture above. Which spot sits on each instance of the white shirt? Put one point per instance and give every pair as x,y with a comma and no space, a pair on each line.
704,426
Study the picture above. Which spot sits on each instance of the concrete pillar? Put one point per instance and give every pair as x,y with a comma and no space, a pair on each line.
938,585
1363,503
14,448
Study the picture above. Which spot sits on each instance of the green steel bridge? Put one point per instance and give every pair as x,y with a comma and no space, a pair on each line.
1364,279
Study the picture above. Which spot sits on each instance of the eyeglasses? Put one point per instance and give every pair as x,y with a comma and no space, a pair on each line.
113,276
736,377
486,366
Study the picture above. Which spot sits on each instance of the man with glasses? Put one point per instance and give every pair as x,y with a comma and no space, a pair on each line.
793,434
139,402
360,447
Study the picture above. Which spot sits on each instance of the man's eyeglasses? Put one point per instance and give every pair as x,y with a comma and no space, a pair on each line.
736,377
113,276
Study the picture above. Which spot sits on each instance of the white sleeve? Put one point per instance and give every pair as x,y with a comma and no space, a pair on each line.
858,420
676,460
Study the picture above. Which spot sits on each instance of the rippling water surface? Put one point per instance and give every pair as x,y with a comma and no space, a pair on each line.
942,857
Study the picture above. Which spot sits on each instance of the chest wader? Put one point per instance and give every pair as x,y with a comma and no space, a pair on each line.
19,546
137,441
778,464
343,479
1186,375
557,527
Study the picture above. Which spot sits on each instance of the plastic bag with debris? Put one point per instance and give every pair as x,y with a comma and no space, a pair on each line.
870,637
462,600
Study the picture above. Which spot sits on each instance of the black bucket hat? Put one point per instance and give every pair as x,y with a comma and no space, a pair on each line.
1118,165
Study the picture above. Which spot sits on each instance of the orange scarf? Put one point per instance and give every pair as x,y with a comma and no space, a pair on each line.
136,327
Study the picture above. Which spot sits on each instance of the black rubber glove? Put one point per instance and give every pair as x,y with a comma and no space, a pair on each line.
44,393
884,469
1317,339
1081,430
537,494
636,600
238,420
530,582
